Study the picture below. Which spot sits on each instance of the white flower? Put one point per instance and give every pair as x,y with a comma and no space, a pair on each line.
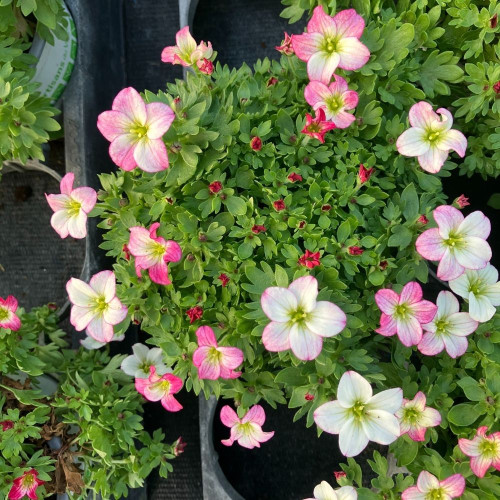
324,491
482,289
358,416
138,364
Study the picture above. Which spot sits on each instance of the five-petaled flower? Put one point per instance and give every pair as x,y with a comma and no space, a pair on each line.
186,52
286,45
8,317
95,306
6,425
414,417
334,99
258,228
256,143
71,208
365,173
213,361
294,177
298,321
25,485
462,201
458,243
449,328
135,130
215,187
354,250
483,450
138,364
429,487
430,137
404,314
160,388
317,127
358,416
279,205
331,42
309,259
152,252
247,431
224,279
194,313
482,289
324,491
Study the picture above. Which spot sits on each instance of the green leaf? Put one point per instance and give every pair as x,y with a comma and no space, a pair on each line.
409,202
463,414
26,396
471,389
235,205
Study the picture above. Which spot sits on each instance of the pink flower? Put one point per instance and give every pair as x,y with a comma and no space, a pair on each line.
186,52
256,143
95,306
213,361
333,99
279,205
404,314
8,318
25,485
458,243
309,259
286,45
6,425
71,208
354,250
318,126
364,173
428,486
205,66
483,450
194,313
298,321
135,130
430,137
248,430
272,81
160,388
462,201
153,252
331,42
449,328
414,417
224,279
294,177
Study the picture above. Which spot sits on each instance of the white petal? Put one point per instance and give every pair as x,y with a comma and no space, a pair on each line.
461,324
488,274
130,365
352,439
461,284
80,294
412,143
140,351
493,294
327,319
331,417
475,253
353,388
381,427
475,224
277,303
480,308
389,400
305,344
447,304
324,492
306,291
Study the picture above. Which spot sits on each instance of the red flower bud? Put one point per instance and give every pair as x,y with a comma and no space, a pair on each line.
364,173
326,208
256,229
462,201
194,313
494,21
496,87
224,279
6,425
339,474
293,177
205,66
272,81
423,220
215,187
286,45
309,259
279,205
383,265
256,143
126,251
354,250
302,224
308,397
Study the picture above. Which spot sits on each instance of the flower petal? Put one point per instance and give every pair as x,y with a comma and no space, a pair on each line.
326,320
352,389
170,403
57,201
480,308
59,222
276,337
480,465
411,293
80,317
77,225
116,312
460,285
421,115
121,151
352,438
324,491
104,283
151,155
448,219
321,22
130,102
461,324
447,304
306,45
432,160
316,93
381,427
305,344
331,417
349,23
160,117
430,245
387,300
409,331
413,493
475,253
173,251
455,346
431,344
86,196
130,365
185,41
232,357
206,336
412,143
321,66
158,273
426,481
342,119
424,311
353,54
453,139
469,447
228,416
305,290
389,400
449,268
168,54
99,330
80,294
255,414
388,326
277,303
112,124
475,224
454,485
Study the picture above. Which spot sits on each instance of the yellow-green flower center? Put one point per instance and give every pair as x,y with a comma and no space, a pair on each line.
4,314
73,208
163,386
245,428
139,130
28,481
401,311
358,410
158,250
436,494
433,136
314,128
488,448
214,356
476,287
299,316
329,44
100,304
334,103
411,415
441,326
454,241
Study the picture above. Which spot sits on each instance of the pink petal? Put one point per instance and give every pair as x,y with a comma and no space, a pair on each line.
185,41
448,219
424,311
446,119
413,493
453,139
426,481
151,155
208,370
80,294
276,337
12,322
80,317
112,124
469,447
322,23
160,117
57,201
430,417
411,292
316,93
432,160
321,66
77,226
277,303
409,332
342,119
59,222
326,320
232,357
104,283
140,241
430,245
86,196
353,54
200,354
228,416
158,273
206,336
168,54
170,403
421,115
454,485
417,434
388,326
349,23
350,99
306,45
173,252
141,384
338,86
116,312
227,373
475,224
66,183
130,102
480,465
431,344
175,382
121,151
387,300
255,414
11,303
412,143
304,343
99,330
449,267
455,346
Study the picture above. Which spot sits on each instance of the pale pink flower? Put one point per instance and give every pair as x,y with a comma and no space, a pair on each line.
324,491
213,361
430,137
404,314
449,328
333,99
135,130
25,485
483,450
248,430
358,416
429,487
95,306
8,317
153,252
414,417
318,126
298,322
160,388
458,243
331,42
71,208
186,52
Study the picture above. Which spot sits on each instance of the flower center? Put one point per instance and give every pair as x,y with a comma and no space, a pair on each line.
214,356
334,103
28,481
411,415
454,241
145,367
433,136
441,326
401,311
4,314
488,448
163,386
358,410
314,128
246,428
436,494
139,130
73,208
100,304
476,287
329,44
158,250
298,316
